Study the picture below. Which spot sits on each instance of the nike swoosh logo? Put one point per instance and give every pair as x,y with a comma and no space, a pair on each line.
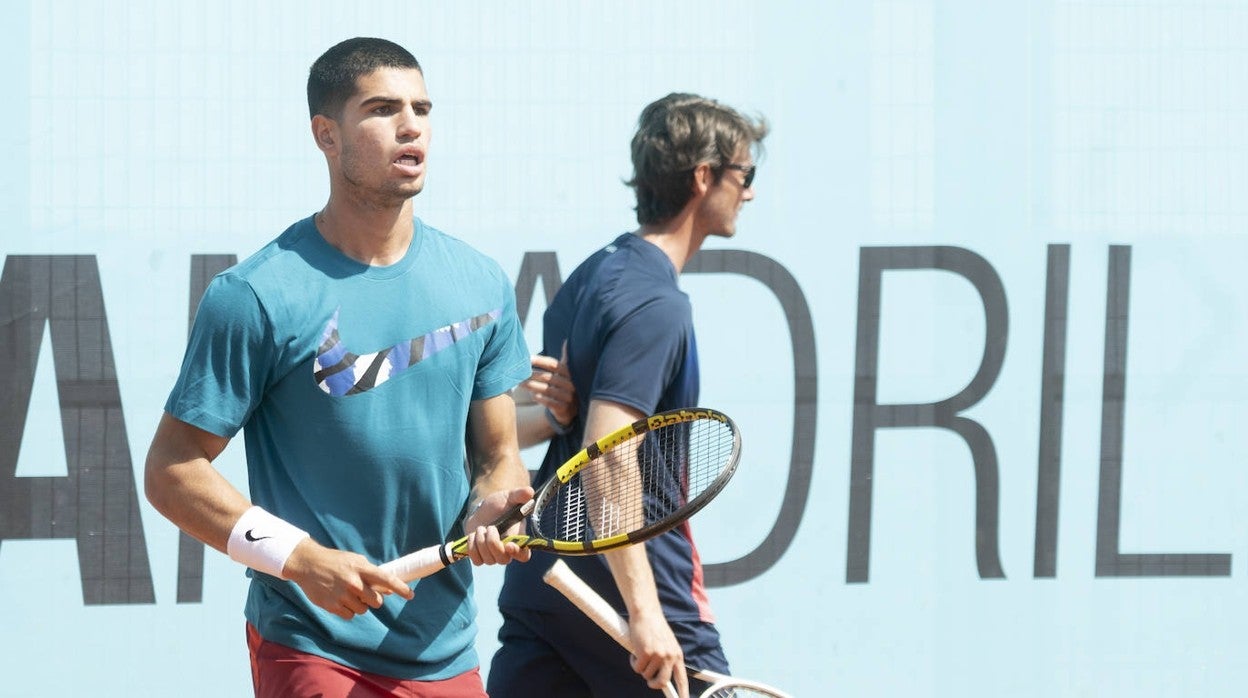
252,538
341,372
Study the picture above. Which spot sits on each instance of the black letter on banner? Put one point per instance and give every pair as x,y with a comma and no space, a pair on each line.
190,550
869,415
1052,392
1110,562
96,502
805,393
534,265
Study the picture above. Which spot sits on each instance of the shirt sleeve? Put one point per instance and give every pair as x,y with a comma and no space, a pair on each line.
505,358
227,359
642,352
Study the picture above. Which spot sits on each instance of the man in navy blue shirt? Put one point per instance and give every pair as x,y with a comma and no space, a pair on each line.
624,332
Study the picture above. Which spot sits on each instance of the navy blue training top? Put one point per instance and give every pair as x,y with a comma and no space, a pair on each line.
629,330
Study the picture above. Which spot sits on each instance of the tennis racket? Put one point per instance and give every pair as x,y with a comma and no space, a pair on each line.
561,577
627,487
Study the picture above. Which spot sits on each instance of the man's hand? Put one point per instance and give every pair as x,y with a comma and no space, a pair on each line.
657,656
550,386
345,584
485,543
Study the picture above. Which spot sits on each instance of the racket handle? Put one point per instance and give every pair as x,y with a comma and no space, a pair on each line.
596,608
422,563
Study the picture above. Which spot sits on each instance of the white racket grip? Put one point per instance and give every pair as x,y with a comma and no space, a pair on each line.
421,563
596,608
561,577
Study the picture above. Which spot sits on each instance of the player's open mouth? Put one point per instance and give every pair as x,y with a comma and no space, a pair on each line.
410,163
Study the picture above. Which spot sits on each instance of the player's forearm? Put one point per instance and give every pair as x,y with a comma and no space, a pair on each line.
503,475
204,506
631,570
494,450
532,426
181,483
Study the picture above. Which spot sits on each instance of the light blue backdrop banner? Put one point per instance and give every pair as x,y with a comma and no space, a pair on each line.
983,327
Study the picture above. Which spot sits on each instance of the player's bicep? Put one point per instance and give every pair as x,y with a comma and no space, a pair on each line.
176,443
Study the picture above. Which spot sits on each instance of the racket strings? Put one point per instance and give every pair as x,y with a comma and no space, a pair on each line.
571,518
638,482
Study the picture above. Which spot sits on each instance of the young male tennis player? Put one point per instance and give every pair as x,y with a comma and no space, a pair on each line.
358,352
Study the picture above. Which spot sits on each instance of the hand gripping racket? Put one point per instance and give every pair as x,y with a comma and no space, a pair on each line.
629,486
561,577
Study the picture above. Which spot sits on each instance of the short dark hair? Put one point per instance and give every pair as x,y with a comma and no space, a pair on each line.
332,79
674,135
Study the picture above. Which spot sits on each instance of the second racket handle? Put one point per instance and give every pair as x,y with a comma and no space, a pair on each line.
596,608
421,563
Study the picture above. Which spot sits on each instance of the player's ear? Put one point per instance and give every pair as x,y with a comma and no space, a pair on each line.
703,178
325,132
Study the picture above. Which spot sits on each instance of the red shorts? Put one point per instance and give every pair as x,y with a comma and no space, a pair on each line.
278,671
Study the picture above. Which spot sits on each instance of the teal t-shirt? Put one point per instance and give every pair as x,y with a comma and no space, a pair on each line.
352,385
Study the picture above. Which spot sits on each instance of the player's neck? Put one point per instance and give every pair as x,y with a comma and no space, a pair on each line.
373,235
675,236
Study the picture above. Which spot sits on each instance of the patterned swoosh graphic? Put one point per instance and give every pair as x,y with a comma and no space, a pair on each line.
340,372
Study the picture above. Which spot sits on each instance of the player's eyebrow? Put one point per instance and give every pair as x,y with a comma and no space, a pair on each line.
395,101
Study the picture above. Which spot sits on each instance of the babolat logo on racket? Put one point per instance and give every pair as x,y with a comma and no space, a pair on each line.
679,416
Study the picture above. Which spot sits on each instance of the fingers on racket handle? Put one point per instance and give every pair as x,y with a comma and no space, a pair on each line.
422,563
513,516
596,608
510,518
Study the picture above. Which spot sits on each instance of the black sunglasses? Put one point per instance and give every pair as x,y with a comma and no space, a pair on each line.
747,169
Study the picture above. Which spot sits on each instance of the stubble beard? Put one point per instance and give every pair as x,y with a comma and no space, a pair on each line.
386,196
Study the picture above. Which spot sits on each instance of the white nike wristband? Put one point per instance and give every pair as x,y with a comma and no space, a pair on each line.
263,542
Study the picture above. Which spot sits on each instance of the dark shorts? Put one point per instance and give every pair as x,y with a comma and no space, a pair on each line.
278,671
556,654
